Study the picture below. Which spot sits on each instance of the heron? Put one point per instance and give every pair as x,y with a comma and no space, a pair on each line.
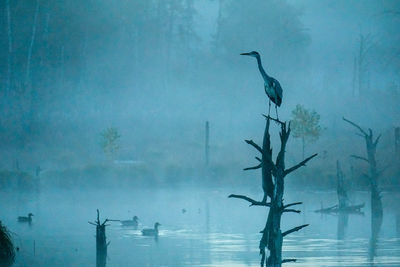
272,86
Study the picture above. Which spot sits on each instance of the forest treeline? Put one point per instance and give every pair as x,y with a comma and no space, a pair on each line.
64,62
157,70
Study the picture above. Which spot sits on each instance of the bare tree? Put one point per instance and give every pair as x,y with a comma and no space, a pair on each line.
273,174
374,173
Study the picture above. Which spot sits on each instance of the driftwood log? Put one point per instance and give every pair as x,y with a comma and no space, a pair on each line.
273,174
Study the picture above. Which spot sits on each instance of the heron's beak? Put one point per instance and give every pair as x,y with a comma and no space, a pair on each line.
245,54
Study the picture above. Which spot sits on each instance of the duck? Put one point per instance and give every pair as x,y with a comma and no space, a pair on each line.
134,222
25,218
151,232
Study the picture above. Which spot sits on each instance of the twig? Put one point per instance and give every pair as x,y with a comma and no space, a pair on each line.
303,163
355,125
250,142
295,229
252,201
291,210
292,204
253,168
359,157
275,120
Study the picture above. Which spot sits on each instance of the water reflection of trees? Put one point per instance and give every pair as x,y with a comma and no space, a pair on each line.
376,223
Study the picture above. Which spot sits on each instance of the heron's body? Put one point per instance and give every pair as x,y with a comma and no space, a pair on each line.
25,218
151,232
272,86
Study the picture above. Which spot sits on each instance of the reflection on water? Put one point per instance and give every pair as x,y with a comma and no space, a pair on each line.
214,230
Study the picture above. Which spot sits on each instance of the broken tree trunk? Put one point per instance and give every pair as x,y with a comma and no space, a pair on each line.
101,241
343,199
371,143
341,191
273,174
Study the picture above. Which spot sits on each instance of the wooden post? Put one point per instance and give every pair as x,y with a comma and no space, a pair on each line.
207,145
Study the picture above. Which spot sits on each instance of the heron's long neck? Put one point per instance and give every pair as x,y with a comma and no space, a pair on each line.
262,71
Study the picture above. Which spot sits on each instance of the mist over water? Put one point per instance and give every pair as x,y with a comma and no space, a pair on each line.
214,230
104,105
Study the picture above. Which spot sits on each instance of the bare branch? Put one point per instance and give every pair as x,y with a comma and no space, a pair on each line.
292,204
303,163
252,201
257,158
295,229
359,157
253,168
291,210
377,140
355,125
288,260
250,142
275,120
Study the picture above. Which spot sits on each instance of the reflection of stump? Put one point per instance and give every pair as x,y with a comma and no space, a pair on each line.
101,242
101,246
376,223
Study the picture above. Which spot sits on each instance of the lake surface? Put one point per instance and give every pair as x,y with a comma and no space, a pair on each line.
214,230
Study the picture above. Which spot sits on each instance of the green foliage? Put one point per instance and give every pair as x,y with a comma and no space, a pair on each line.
110,141
305,124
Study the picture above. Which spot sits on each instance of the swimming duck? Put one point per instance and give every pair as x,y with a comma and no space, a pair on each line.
25,218
151,232
134,222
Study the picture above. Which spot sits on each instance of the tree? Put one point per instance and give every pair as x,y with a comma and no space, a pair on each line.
110,141
305,125
273,178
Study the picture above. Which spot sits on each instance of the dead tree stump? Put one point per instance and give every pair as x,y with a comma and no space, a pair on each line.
273,174
374,173
101,241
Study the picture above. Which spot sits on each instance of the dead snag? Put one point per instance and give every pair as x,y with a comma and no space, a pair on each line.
371,144
273,174
101,241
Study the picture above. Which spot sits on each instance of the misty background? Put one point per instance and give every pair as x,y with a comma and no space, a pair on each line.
158,70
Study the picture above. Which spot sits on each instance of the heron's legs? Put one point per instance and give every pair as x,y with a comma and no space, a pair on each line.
269,108
276,110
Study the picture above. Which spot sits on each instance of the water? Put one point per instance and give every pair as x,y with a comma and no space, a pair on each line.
214,230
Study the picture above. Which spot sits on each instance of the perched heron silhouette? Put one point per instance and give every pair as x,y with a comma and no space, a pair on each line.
272,86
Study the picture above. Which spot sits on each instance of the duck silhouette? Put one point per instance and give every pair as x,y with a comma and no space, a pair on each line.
134,222
151,232
25,218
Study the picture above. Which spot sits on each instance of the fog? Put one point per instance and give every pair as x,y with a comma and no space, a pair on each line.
104,106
